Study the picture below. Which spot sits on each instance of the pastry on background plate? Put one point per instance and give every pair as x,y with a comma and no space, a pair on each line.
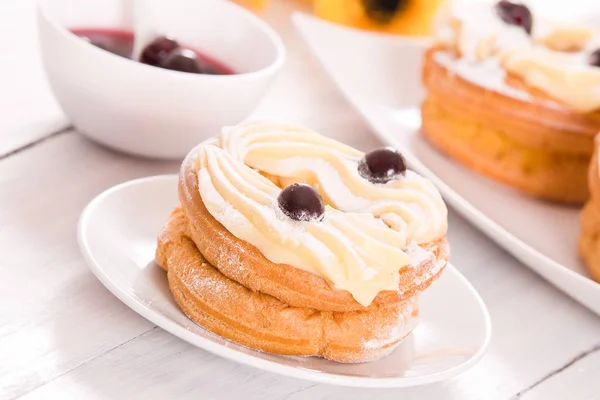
589,238
292,243
515,97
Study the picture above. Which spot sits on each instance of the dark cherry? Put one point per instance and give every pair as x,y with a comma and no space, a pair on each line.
158,50
383,11
382,165
183,60
301,202
594,58
515,14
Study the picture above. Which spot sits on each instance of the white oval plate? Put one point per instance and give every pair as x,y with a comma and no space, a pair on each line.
381,77
117,236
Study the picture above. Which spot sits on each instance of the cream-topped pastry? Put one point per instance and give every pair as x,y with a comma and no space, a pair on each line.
354,251
589,236
555,58
291,259
514,96
410,205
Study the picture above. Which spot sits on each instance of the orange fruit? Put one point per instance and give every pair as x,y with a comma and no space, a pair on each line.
407,17
255,5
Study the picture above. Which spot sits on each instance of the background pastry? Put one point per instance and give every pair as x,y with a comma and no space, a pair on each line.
515,97
589,239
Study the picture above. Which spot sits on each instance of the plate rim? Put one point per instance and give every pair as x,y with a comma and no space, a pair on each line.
502,237
233,355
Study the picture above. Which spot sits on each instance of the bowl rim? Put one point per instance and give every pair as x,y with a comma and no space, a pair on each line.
273,38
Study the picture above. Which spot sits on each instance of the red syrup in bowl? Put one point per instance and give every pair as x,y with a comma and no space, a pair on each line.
175,56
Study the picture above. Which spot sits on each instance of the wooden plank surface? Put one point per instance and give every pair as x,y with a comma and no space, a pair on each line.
65,334
29,111
578,380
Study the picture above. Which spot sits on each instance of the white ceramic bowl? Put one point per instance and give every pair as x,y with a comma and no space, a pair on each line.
146,110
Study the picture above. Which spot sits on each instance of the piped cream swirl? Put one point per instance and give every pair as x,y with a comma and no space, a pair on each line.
553,59
353,251
410,205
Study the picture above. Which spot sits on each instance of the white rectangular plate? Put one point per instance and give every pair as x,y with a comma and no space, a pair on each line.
381,77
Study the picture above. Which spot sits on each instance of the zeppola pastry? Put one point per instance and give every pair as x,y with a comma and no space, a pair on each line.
292,243
589,239
515,97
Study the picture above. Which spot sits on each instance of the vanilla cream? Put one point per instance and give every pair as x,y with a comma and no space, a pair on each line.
369,232
411,205
353,251
553,59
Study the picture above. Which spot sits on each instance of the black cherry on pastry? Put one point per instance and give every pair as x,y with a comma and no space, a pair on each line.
594,58
382,165
515,14
301,202
158,50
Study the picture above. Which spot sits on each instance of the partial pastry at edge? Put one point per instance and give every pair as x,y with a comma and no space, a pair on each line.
589,237
367,253
499,102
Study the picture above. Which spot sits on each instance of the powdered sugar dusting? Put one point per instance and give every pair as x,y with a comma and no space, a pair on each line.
488,74
406,322
418,254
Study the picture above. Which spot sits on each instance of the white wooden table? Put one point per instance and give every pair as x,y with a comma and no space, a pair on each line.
63,335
